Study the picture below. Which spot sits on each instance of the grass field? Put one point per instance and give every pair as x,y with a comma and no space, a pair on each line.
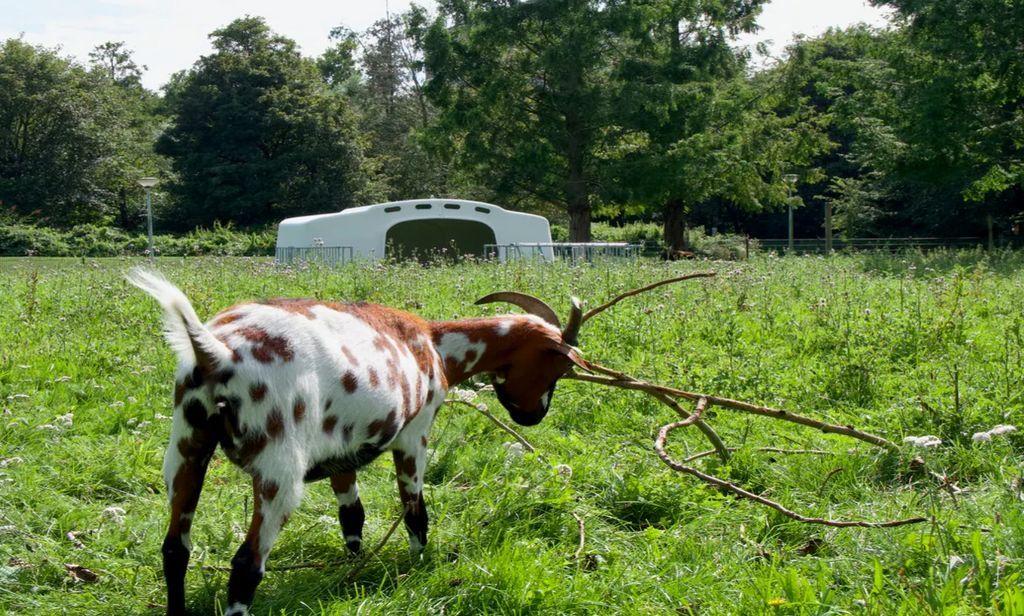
905,345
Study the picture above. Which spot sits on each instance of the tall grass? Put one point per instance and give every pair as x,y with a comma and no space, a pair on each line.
900,345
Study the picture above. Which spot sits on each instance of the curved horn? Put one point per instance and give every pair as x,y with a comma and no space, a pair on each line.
526,302
571,333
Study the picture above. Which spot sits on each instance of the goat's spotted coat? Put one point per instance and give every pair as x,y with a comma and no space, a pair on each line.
299,390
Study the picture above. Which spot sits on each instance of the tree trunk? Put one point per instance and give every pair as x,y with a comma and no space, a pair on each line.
675,225
122,210
579,225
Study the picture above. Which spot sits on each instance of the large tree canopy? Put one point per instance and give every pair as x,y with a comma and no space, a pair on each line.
258,134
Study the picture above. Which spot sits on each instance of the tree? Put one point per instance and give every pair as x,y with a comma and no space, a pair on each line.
257,134
116,61
523,96
966,71
394,111
51,145
134,125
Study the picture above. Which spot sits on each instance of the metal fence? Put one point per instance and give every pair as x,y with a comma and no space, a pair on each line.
325,255
886,244
569,251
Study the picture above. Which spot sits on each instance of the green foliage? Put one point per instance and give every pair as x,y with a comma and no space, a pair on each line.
86,385
99,241
257,134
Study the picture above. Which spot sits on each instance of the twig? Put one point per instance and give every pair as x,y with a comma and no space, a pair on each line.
659,447
813,452
694,418
504,426
624,381
359,565
605,306
583,536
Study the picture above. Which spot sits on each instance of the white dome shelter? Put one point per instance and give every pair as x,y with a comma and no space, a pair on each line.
407,229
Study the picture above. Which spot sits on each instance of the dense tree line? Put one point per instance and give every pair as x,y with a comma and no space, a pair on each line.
577,109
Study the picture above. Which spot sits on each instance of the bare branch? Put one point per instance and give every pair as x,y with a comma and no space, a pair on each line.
624,381
659,447
619,298
504,426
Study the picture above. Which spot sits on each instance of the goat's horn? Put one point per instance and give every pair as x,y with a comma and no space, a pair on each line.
526,302
571,333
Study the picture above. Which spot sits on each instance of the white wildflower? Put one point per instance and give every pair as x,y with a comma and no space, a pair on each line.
65,420
923,441
10,461
984,437
462,395
514,449
326,519
116,514
564,470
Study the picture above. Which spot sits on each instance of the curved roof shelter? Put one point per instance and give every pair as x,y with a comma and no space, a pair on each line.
407,229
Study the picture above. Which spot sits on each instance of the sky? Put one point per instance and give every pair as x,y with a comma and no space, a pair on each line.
168,36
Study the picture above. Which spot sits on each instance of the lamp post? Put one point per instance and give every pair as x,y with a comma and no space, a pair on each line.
790,179
148,183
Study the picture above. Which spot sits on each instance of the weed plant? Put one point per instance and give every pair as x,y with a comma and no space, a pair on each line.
904,345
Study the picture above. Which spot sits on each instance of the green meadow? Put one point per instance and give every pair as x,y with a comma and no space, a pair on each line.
899,345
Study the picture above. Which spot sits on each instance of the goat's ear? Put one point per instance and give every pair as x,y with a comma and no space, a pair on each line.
573,354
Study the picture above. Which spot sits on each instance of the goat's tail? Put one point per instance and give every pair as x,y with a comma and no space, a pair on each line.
183,330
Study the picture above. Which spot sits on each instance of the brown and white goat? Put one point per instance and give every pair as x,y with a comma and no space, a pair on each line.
296,390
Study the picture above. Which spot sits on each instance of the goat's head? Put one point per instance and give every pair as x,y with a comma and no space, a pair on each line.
525,384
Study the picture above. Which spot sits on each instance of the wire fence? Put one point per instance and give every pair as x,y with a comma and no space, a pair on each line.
888,244
324,255
567,251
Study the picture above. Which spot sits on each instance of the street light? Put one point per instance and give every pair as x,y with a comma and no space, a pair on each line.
148,183
790,179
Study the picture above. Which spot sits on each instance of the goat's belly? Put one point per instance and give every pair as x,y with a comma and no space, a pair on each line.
344,463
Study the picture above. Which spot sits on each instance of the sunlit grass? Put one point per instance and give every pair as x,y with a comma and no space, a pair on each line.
899,345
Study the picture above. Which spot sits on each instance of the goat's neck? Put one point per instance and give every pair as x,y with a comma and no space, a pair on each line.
473,346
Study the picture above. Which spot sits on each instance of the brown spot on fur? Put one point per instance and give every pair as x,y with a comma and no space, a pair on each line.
268,489
406,399
374,379
179,393
298,306
430,396
275,424
470,356
329,424
341,483
266,347
225,318
299,410
352,359
382,426
350,382
393,374
327,405
423,440
405,465
257,391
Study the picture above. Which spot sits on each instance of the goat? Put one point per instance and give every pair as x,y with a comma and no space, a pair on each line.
296,390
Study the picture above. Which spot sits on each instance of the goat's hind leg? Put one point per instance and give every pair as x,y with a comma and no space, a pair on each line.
409,467
274,500
350,509
193,441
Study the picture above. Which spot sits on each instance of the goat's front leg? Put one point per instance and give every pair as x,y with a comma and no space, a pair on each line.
273,502
350,509
409,466
193,441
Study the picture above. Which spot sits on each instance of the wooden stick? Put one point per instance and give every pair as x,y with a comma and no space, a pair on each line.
583,536
504,426
624,381
605,306
659,447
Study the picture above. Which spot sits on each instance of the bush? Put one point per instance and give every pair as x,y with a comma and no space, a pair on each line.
19,239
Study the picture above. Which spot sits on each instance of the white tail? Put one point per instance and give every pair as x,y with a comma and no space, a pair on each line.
185,333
